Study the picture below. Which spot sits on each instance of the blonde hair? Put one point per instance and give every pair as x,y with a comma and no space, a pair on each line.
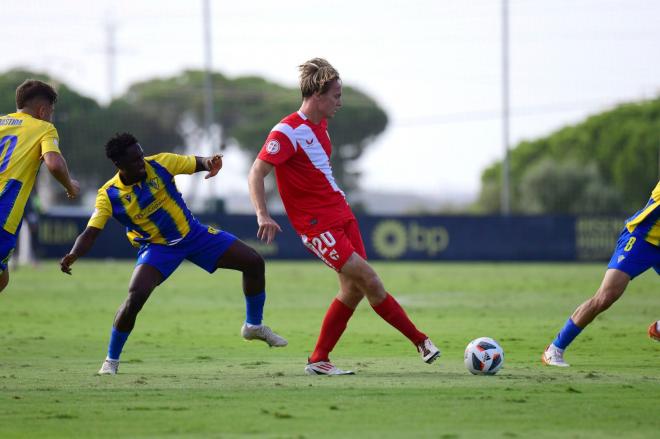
316,75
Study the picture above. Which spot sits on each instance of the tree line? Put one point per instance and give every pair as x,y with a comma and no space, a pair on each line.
161,112
609,163
606,164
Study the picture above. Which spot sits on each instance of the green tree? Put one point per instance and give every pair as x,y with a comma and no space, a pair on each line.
551,187
248,107
155,112
617,149
84,126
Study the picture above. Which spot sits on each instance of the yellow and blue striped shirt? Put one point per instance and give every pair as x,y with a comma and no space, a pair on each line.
152,210
646,222
23,142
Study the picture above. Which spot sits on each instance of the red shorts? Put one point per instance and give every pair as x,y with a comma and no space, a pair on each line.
336,245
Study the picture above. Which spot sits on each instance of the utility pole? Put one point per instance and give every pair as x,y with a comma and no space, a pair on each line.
506,182
204,140
111,56
208,61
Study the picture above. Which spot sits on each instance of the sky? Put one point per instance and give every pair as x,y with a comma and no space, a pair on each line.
434,66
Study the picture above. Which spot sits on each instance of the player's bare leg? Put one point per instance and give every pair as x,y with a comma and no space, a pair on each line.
333,326
611,289
358,279
4,279
387,307
144,280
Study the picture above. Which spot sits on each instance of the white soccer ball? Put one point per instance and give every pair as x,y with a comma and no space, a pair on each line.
484,356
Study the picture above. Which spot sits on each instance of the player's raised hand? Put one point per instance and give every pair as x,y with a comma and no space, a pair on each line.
213,165
267,229
66,262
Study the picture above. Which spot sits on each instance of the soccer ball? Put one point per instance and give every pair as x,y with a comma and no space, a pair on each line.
484,356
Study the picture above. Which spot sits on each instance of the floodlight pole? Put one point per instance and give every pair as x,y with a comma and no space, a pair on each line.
208,81
111,55
506,184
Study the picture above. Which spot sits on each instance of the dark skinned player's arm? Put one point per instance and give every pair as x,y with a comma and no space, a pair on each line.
211,164
83,244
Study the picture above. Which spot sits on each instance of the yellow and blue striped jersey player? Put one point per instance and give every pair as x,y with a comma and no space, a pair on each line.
27,137
144,198
637,250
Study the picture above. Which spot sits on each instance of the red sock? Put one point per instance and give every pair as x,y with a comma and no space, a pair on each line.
390,310
334,324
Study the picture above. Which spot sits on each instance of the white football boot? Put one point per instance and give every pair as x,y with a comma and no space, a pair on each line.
109,367
325,368
263,333
428,351
553,356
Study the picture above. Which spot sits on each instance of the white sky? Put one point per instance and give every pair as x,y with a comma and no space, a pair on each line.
433,65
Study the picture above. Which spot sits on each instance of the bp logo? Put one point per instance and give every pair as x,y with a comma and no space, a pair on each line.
390,239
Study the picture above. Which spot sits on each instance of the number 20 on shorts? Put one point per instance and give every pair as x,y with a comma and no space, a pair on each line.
323,242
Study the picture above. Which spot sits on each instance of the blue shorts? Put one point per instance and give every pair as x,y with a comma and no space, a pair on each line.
634,256
7,246
202,246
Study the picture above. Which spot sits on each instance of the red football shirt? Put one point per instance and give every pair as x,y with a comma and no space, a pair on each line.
300,152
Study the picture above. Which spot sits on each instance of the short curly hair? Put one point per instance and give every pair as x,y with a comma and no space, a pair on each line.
32,89
116,147
316,75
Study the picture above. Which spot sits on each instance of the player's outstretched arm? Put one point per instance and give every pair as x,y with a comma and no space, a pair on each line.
211,164
268,227
83,243
57,167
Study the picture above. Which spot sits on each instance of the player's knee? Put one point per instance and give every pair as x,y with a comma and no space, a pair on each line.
370,283
134,302
255,266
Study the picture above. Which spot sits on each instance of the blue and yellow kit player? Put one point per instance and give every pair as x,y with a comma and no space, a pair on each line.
27,137
637,250
144,198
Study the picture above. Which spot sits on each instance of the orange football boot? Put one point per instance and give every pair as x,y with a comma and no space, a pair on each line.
653,331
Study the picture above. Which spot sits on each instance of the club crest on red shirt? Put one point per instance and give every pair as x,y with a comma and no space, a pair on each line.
273,147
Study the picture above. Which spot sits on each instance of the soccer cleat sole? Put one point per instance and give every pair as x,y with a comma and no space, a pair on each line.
433,358
312,372
329,371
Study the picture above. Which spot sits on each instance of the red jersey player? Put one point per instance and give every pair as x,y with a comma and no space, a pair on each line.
299,149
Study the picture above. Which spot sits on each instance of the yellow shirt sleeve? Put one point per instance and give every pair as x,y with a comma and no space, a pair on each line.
50,142
102,210
176,164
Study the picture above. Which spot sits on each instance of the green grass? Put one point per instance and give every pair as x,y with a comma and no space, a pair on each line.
187,373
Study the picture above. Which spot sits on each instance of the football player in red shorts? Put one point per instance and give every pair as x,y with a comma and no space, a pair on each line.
299,149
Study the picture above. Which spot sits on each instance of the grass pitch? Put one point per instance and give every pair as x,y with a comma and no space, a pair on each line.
186,372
